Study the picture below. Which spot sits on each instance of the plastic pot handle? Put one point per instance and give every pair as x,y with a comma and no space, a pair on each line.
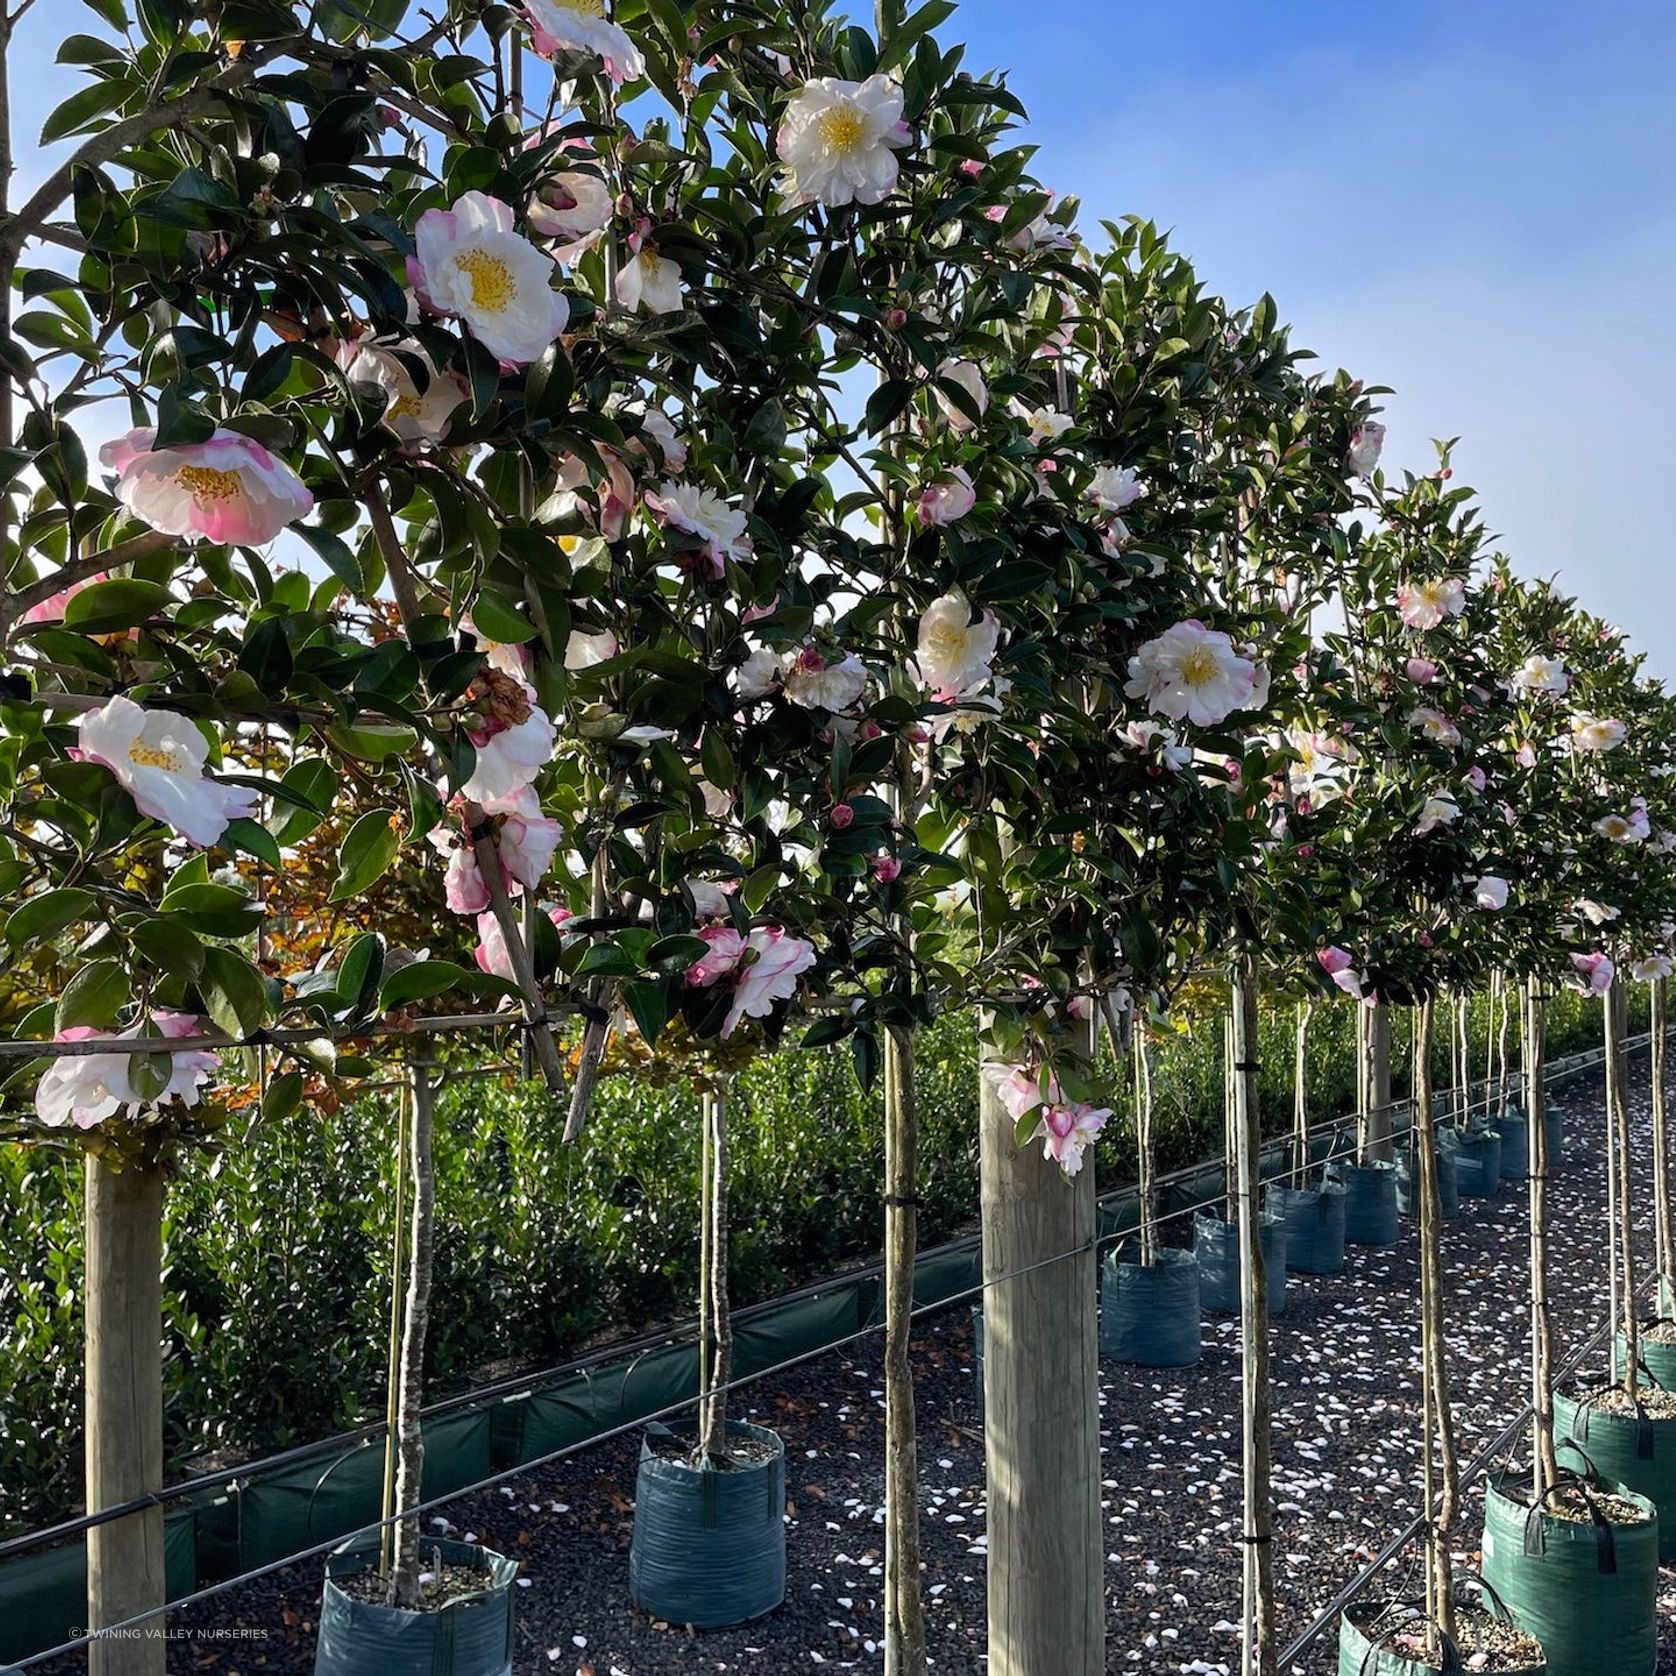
1451,1664
1606,1545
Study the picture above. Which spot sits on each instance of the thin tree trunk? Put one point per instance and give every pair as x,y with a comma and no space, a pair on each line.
1379,1082
410,1396
1532,1033
1665,1235
1257,1642
1146,1148
123,1292
1228,1166
712,1435
1300,1093
905,1610
1617,1108
1440,1476
1613,1255
393,1355
1046,1575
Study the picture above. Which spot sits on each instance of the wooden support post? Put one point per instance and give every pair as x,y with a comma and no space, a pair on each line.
1379,1082
1041,1404
904,1608
713,1446
1617,1115
416,1320
1257,1641
1532,1036
1664,1230
124,1354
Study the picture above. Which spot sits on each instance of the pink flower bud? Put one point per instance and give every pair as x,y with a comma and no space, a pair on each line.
842,815
886,868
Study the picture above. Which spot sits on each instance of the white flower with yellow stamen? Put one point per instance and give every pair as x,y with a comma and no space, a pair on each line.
472,265
1191,673
955,653
158,758
413,413
227,489
838,140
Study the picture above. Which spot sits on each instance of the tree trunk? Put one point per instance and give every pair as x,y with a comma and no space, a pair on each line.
1613,1254
1378,1146
904,1609
1438,1432
1617,1110
1665,1235
1300,1090
1146,1147
1257,1642
712,1431
1041,1403
1532,1034
410,1392
123,1291
393,1354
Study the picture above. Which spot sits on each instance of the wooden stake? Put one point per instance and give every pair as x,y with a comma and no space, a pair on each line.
1614,1093
1379,1082
393,1356
123,1289
1300,1090
904,1609
712,1431
1441,1480
1617,1111
1257,1641
1664,1232
1041,1404
1532,1036
410,1393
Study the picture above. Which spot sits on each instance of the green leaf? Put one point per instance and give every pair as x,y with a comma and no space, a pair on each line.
498,620
149,1074
371,844
282,1097
94,996
420,981
649,1002
247,835
169,947
372,741
234,992
360,974
122,602
312,784
45,916
82,109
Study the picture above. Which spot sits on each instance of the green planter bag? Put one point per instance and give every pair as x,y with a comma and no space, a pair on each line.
1370,1204
1555,1122
1149,1313
1360,1653
1314,1218
1448,1185
1216,1247
1635,1450
1514,1134
709,1544
1478,1163
1587,1591
1658,1361
471,1636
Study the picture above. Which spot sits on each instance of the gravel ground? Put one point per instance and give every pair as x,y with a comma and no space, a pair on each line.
1346,1470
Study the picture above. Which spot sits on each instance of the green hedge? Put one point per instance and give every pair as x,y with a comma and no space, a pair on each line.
278,1277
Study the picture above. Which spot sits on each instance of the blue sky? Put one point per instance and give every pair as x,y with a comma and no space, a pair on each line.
1469,202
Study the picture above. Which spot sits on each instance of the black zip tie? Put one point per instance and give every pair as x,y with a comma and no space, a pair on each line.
1247,1065
904,1201
1256,1541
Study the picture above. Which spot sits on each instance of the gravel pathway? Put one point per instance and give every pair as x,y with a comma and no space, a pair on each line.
1346,1472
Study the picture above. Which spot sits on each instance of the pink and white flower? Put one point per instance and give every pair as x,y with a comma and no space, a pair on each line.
85,1090
649,283
815,684
1597,735
1436,812
229,489
1424,605
492,955
1593,973
1045,424
395,368
510,754
1650,968
1191,673
1339,965
1597,913
1434,725
1538,674
763,968
1068,1129
955,651
572,207
1625,829
158,758
703,513
838,141
1490,893
585,650
967,376
1367,441
1112,488
582,26
947,499
472,265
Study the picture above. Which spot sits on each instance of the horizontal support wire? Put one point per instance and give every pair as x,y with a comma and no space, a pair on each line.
643,1346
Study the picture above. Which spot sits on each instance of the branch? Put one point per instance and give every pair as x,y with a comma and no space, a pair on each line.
402,581
105,145
18,601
